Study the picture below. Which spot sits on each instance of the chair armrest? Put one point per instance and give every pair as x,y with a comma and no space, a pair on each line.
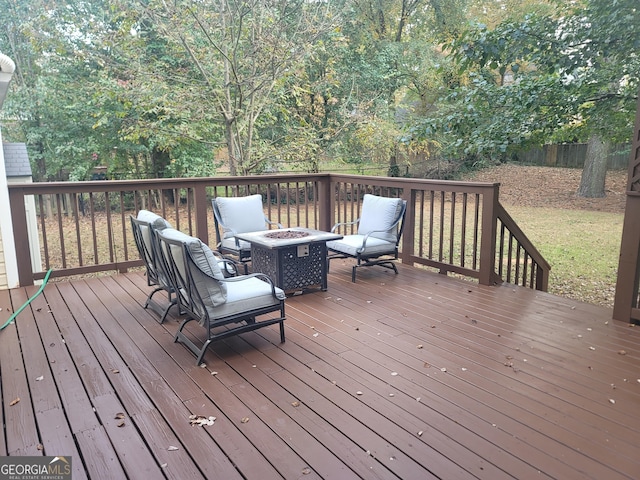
342,224
366,237
273,223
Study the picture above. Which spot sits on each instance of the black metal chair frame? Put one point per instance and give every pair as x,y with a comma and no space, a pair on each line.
191,303
156,272
383,259
243,254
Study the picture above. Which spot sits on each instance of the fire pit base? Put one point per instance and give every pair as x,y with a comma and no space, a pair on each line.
295,258
290,271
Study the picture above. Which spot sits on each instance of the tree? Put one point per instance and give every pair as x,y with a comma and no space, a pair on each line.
234,58
58,101
553,75
595,169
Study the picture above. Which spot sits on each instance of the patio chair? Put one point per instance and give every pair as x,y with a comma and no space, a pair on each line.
144,227
223,306
235,215
380,227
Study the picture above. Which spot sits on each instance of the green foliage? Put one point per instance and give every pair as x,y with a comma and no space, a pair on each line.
564,75
153,89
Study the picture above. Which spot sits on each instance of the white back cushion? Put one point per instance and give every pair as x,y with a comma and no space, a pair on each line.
156,222
241,214
207,273
378,214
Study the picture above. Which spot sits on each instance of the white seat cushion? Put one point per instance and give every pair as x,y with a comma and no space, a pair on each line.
230,244
351,244
241,214
378,215
246,294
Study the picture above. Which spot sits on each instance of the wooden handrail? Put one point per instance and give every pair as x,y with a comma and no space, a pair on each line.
450,226
540,276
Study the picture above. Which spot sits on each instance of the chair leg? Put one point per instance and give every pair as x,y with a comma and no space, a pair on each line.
148,302
202,352
166,310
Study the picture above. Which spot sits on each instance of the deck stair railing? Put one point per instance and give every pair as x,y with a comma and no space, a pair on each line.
453,227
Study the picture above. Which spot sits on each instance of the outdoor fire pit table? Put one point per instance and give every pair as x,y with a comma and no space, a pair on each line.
294,258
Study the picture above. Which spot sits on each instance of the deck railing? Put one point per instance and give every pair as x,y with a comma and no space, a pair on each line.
454,227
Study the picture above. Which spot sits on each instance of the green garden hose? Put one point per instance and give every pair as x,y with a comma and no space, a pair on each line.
15,314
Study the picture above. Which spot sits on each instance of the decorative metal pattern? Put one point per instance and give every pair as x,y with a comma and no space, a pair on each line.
290,271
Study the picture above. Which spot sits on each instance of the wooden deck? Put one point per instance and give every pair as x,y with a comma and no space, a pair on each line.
414,376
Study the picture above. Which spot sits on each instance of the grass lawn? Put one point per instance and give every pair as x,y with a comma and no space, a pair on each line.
581,246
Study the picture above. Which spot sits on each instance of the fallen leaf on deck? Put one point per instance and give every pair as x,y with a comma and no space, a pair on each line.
358,392
622,352
40,447
295,404
592,348
420,433
201,420
612,401
115,370
244,420
40,378
172,448
419,346
121,423
306,471
119,416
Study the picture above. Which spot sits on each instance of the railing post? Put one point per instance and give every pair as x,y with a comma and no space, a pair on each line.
542,279
326,204
628,264
488,241
21,236
201,206
626,299
409,233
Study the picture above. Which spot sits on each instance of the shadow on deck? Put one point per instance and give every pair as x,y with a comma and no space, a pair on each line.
413,376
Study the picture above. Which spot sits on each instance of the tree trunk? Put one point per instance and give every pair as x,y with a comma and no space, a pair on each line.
595,169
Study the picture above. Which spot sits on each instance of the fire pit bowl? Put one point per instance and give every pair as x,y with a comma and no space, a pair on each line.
286,234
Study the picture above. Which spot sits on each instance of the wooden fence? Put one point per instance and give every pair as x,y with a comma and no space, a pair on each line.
572,155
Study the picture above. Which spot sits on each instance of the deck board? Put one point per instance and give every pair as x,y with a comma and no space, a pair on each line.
417,375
